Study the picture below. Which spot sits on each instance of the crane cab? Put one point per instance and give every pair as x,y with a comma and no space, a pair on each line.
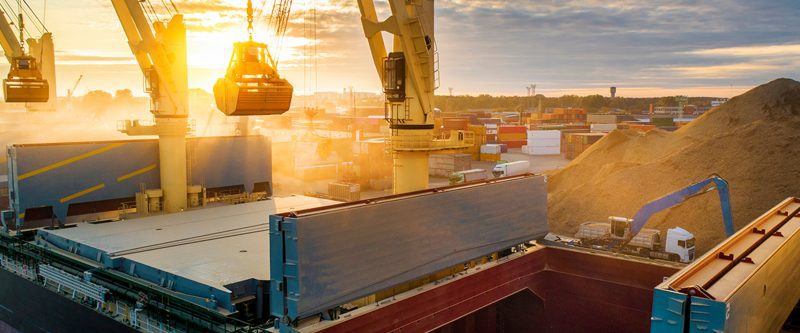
252,86
24,83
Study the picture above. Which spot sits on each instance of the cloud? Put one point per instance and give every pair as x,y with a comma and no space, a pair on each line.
723,71
87,58
495,46
751,51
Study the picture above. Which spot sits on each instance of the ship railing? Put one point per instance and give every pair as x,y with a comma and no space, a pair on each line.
144,323
18,268
78,286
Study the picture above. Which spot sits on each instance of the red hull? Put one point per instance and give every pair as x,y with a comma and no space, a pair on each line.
547,290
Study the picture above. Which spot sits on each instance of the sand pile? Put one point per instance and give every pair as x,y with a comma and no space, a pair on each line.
753,141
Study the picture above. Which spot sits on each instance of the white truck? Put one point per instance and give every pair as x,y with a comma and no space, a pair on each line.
679,244
511,169
467,176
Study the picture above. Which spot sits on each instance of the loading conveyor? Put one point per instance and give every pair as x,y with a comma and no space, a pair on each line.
745,284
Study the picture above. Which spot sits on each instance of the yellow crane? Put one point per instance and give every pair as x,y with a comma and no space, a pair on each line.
252,85
31,78
409,76
160,50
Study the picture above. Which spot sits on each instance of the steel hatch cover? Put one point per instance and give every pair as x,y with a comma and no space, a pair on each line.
354,251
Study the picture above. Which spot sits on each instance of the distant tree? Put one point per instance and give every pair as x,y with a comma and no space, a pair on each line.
593,103
667,101
95,103
123,96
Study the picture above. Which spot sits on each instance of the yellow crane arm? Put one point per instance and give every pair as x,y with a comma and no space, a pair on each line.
408,28
151,53
8,39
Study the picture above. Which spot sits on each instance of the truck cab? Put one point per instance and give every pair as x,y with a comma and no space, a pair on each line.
681,242
511,168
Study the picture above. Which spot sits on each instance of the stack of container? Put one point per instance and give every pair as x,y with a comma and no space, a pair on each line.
543,143
455,124
490,152
559,116
603,128
491,133
577,143
640,126
473,175
513,136
663,122
443,165
344,191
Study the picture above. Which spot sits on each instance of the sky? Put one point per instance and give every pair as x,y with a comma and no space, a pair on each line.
644,47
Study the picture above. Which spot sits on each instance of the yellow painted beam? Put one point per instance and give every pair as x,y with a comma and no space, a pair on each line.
136,173
69,160
82,193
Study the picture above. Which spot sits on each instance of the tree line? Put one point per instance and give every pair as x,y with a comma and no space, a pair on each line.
592,103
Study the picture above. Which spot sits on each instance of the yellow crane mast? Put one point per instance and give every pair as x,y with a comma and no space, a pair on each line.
160,51
409,77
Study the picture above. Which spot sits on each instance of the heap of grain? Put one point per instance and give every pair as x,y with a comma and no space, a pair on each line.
753,141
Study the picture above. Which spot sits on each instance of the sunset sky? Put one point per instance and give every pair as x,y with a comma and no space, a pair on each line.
646,48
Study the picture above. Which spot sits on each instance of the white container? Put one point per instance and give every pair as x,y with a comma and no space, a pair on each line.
473,175
490,149
545,150
603,128
544,142
549,134
530,150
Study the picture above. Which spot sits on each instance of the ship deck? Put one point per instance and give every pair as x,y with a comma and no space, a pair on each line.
214,246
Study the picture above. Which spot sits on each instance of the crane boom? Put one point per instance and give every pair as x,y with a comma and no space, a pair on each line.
8,39
678,197
163,57
74,86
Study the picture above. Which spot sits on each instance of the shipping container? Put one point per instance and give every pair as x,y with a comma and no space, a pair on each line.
344,191
513,129
514,143
603,128
662,121
530,150
443,165
490,157
472,175
491,149
544,134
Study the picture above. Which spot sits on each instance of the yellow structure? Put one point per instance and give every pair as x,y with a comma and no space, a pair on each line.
252,85
31,79
409,80
160,52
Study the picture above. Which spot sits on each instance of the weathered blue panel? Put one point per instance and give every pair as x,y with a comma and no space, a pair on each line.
707,315
276,266
669,311
226,161
334,256
57,175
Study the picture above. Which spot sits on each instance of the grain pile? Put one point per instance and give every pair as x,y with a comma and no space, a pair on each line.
753,141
